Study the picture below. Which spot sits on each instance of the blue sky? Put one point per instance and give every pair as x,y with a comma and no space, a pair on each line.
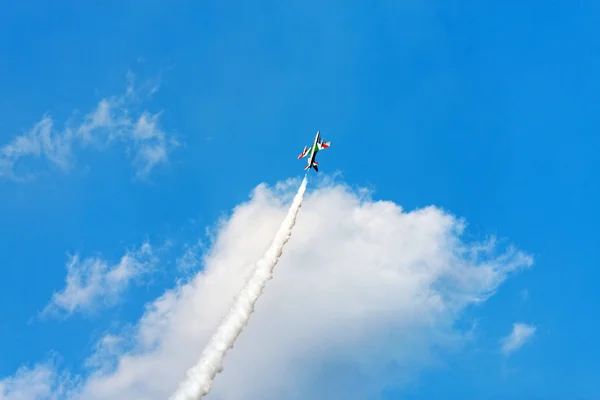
487,111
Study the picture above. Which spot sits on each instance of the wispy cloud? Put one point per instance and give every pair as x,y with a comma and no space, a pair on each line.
40,382
106,353
521,334
91,281
114,119
28,384
191,260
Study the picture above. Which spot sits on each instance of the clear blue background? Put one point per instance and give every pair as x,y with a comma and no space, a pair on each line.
487,109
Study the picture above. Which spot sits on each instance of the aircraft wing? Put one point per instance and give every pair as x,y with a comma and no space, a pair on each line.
304,153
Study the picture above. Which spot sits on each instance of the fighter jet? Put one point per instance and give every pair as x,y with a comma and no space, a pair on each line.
313,150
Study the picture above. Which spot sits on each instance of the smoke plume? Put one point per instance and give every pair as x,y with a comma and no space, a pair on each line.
200,377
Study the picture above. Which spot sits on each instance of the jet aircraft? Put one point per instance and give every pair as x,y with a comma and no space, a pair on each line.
312,152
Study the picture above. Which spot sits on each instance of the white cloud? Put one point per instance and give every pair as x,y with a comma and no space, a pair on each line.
40,382
91,280
113,119
365,295
28,384
521,334
106,353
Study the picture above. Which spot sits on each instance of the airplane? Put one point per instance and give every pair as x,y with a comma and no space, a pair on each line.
313,150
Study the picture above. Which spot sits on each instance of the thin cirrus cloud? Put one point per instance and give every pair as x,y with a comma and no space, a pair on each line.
40,382
35,383
521,333
92,283
113,120
365,296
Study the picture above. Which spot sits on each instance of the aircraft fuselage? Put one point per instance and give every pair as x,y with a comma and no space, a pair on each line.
314,150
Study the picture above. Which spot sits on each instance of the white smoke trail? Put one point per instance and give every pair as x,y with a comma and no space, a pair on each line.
200,377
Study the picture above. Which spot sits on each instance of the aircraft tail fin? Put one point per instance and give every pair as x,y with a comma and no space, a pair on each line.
324,145
313,165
